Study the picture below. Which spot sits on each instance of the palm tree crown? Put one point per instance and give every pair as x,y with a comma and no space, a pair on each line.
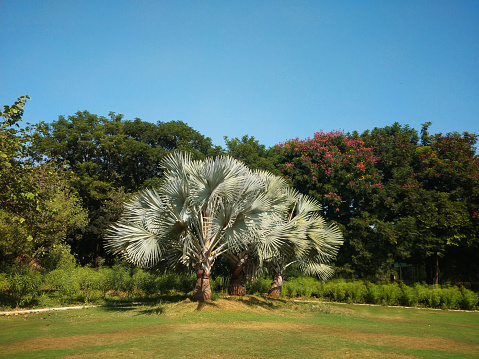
201,210
218,206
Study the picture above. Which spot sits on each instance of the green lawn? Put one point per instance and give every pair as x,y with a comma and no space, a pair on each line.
250,328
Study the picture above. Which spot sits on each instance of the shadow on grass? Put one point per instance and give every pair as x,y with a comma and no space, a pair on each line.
203,305
153,311
263,302
155,303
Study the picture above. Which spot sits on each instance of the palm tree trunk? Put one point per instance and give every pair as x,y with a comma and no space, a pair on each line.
275,289
238,280
202,291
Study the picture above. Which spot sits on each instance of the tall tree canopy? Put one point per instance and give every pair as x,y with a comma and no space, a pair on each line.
400,196
38,207
111,158
248,150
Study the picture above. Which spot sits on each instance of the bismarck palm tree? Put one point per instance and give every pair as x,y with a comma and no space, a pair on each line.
296,234
201,210
302,238
246,262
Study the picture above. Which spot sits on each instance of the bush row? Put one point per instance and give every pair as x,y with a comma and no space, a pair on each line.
445,297
24,287
71,284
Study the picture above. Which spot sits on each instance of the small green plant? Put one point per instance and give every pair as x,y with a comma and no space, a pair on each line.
258,286
65,284
392,294
24,285
147,282
450,298
356,292
409,296
374,293
469,299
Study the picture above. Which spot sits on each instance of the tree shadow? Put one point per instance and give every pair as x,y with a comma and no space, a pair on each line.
155,304
203,305
266,303
153,311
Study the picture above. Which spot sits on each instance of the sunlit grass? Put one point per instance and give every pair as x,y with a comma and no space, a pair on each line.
249,327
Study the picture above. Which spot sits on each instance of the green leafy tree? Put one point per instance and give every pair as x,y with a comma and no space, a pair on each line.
383,233
18,190
445,207
252,153
112,158
340,172
427,206
38,208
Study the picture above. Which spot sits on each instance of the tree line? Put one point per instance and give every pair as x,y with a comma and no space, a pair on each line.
406,201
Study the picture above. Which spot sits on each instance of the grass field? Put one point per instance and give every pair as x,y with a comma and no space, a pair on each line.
253,327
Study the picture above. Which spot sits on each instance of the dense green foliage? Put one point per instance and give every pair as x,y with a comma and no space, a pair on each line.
407,201
111,158
399,198
68,284
39,208
445,297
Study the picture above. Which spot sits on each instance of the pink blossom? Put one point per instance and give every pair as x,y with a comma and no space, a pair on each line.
361,166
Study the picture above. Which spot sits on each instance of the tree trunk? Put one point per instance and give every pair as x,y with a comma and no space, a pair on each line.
275,289
202,291
238,280
436,270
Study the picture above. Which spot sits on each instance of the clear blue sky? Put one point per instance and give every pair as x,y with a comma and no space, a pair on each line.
274,70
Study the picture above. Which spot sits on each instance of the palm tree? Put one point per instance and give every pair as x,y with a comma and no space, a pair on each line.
302,238
295,234
246,261
201,210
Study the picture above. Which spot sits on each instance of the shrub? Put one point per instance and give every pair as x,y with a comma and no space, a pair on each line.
24,285
450,298
409,296
65,283
187,283
147,282
258,286
336,291
289,289
317,289
59,256
469,299
392,294
105,280
306,286
356,292
170,282
374,293
429,296
122,279
89,282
